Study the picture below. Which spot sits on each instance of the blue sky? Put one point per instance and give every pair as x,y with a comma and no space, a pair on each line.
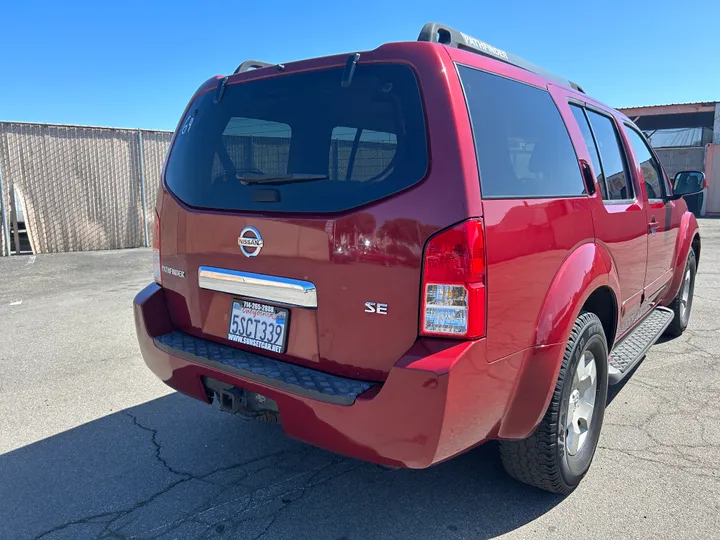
135,64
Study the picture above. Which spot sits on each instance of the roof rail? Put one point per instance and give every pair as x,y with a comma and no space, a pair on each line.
247,65
438,33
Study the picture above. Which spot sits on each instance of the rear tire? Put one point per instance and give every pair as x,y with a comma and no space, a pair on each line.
682,304
556,457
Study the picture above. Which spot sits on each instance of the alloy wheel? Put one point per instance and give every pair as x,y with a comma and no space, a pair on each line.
581,403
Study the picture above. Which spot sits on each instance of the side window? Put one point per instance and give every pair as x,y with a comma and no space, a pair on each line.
522,145
361,154
651,170
582,121
619,186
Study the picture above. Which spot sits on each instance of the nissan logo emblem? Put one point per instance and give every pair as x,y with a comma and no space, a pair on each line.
250,242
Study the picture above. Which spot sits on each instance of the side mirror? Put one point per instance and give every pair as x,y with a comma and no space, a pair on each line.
689,183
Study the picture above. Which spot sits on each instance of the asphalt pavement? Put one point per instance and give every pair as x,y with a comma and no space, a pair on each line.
92,445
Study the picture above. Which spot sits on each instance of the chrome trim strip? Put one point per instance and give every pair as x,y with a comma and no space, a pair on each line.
294,292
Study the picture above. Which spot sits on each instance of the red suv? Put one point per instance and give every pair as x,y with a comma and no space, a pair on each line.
402,253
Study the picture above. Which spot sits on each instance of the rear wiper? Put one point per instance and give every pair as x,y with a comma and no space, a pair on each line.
278,178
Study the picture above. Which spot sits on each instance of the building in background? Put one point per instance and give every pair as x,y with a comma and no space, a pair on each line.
686,137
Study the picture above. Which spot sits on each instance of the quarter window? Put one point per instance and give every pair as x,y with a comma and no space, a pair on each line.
612,157
651,170
522,145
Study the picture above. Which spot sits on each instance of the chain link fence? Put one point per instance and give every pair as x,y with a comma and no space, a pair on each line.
154,147
76,188
79,188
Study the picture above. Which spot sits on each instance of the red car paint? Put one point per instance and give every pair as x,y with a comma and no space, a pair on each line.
436,397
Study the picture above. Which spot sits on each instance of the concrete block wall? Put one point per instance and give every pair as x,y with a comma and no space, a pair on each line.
682,159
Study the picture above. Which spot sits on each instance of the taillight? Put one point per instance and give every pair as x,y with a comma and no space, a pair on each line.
453,288
156,250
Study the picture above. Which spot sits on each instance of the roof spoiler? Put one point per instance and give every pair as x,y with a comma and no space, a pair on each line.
439,33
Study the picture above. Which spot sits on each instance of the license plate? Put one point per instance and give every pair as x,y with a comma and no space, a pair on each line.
258,325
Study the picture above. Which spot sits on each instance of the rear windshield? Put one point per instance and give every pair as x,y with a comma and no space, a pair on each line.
302,143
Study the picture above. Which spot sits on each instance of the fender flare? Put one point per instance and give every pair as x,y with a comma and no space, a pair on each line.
589,267
688,231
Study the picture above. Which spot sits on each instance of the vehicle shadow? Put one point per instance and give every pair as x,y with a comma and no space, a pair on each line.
615,389
176,468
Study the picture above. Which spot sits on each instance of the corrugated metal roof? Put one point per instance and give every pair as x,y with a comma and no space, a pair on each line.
670,105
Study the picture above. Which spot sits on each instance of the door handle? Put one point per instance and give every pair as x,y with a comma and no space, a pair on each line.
653,225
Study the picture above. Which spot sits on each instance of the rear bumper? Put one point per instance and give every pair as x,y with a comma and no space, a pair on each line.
440,398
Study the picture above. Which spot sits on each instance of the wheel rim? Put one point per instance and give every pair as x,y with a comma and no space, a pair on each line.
685,296
581,403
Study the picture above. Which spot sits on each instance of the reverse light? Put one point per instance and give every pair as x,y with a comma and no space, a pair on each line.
453,287
157,271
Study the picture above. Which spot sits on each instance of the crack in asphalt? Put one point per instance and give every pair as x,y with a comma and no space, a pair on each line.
81,521
254,499
292,496
156,444
249,496
116,515
687,469
286,498
105,533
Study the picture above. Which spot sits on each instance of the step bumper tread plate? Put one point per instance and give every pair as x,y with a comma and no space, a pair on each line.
276,373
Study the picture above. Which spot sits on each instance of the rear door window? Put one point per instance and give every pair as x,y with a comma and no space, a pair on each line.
651,170
318,146
619,186
523,147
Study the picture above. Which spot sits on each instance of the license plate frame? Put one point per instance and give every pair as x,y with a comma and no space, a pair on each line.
265,313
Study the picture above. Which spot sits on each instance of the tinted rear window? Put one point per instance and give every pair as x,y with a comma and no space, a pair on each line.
367,138
523,147
612,156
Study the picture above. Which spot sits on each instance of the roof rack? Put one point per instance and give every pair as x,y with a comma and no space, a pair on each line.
438,33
